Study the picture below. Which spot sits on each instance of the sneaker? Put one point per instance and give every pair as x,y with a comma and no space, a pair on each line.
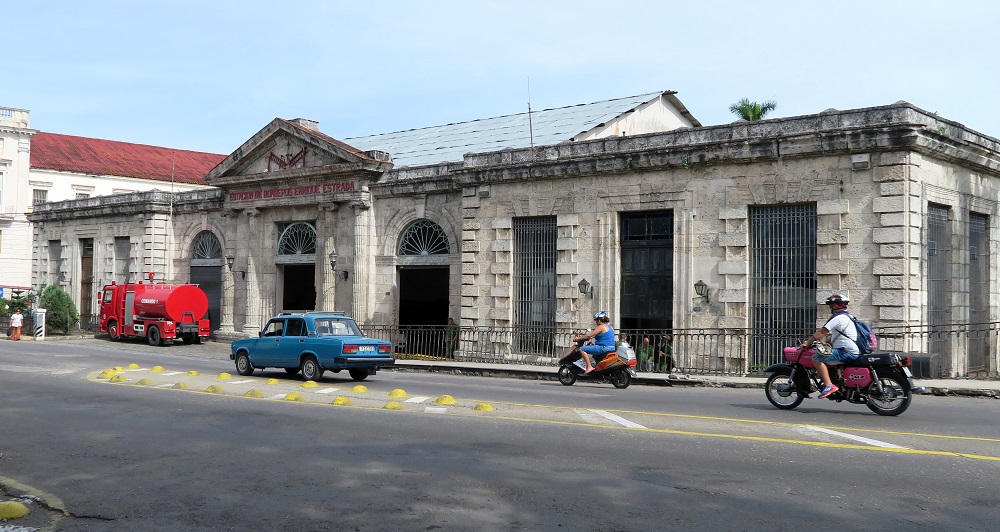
827,391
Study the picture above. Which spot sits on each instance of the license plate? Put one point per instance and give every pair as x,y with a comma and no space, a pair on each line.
906,371
369,348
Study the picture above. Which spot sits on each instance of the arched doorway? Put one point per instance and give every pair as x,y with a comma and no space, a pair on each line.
296,261
206,272
423,277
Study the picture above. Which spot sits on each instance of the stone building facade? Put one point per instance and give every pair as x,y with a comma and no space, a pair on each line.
892,206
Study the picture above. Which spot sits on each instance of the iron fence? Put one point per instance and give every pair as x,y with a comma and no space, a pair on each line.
972,349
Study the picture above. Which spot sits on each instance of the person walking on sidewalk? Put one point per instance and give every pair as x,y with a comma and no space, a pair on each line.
16,321
841,329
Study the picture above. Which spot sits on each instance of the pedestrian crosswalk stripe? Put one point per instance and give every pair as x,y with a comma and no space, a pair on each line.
416,399
327,390
436,410
618,419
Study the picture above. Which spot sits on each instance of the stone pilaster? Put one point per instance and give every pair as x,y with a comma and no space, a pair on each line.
364,262
245,262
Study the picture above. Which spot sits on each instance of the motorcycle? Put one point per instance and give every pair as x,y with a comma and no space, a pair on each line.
611,367
881,381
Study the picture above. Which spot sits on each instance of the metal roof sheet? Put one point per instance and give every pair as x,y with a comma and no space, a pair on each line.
450,142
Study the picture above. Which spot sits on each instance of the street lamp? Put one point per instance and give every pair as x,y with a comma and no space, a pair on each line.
333,265
701,289
584,286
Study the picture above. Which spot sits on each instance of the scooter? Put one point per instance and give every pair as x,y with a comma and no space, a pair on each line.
610,367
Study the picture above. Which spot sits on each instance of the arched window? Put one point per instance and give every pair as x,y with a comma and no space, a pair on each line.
206,251
423,237
297,244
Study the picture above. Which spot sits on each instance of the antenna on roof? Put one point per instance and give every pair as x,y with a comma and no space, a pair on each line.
531,129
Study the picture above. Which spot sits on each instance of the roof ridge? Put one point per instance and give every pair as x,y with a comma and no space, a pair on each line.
650,94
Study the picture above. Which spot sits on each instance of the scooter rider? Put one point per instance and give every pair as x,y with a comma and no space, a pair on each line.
603,336
841,330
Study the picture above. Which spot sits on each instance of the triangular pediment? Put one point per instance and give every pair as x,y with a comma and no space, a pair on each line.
285,146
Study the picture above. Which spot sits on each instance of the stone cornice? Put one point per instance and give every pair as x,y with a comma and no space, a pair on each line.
363,170
156,202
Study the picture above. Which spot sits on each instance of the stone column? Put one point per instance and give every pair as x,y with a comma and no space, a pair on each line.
244,262
326,279
228,283
364,259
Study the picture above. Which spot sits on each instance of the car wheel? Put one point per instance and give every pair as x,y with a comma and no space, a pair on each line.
358,374
153,336
243,365
113,331
292,371
311,369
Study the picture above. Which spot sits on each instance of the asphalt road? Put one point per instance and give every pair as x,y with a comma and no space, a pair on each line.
138,449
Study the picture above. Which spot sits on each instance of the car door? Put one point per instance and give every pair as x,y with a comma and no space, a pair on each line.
265,351
292,343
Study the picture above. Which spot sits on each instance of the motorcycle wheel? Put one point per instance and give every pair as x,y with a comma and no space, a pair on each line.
566,376
777,390
621,379
894,399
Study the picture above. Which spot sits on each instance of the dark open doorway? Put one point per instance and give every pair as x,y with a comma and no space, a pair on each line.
209,278
423,310
299,288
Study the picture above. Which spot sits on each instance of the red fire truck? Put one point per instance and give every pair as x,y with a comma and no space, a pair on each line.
161,312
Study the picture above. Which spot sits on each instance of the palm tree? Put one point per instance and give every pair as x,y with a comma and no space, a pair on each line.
751,111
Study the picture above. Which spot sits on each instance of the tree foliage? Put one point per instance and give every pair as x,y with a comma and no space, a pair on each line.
60,311
751,111
20,300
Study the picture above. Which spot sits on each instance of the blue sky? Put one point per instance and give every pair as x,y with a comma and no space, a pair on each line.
207,75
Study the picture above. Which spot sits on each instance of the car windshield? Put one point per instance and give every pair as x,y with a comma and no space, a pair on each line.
336,327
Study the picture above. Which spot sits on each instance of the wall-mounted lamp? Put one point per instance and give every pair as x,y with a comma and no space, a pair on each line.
701,289
333,265
584,286
230,261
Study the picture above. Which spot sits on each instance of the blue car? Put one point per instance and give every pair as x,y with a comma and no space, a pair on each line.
312,342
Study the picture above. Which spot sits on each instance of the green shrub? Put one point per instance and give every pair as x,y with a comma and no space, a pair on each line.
60,311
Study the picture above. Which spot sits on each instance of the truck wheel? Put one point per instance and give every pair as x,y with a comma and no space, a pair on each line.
311,369
113,331
358,374
243,365
153,336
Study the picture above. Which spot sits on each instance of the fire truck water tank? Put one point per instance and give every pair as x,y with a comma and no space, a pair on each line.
170,301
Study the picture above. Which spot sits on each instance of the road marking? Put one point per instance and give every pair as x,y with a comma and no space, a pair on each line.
416,399
861,439
436,410
241,382
171,373
327,390
168,385
618,419
279,396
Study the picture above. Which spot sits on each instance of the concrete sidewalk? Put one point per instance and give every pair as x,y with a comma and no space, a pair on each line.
939,387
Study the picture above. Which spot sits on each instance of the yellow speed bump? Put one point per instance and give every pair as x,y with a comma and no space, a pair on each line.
12,510
446,400
484,407
254,393
393,405
272,380
215,389
310,384
157,369
397,393
144,382
119,369
342,401
133,366
294,396
181,386
107,374
118,378
360,389
193,373
225,376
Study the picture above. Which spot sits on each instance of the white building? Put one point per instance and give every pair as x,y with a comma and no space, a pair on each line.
38,167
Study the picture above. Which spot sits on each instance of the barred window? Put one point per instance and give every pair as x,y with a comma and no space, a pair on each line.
39,195
123,256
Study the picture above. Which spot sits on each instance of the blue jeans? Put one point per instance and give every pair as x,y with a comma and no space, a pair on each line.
597,349
838,356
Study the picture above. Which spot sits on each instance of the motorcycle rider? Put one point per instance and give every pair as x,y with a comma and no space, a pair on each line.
604,339
841,329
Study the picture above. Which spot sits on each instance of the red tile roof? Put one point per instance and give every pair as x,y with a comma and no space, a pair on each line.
52,151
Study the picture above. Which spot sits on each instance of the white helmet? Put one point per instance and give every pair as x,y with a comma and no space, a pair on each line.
600,314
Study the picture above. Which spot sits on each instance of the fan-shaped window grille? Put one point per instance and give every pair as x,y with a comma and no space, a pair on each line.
297,243
207,250
423,237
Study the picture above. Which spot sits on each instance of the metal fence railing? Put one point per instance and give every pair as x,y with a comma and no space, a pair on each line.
961,350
